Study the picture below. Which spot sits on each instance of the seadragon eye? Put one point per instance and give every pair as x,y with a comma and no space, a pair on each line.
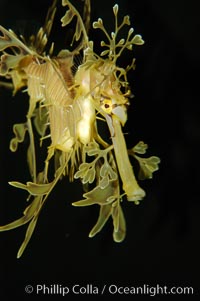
107,105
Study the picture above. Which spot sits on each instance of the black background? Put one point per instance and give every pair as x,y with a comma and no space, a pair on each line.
162,243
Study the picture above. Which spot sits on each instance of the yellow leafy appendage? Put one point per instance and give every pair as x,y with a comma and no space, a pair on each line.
65,109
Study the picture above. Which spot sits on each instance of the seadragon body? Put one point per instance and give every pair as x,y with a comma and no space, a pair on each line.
64,107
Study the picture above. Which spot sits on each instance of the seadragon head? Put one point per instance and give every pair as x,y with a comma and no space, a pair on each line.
108,84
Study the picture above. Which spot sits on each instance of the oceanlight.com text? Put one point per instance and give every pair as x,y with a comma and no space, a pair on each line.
111,289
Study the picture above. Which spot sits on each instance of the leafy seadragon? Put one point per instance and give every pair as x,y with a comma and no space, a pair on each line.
65,108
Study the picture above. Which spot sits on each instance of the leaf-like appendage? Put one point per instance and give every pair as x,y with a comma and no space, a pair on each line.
19,130
115,9
8,61
104,214
86,172
9,39
40,40
115,46
105,52
98,24
140,148
28,235
28,214
89,175
106,174
33,188
98,195
119,223
137,40
126,20
104,182
40,120
68,17
92,148
148,166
